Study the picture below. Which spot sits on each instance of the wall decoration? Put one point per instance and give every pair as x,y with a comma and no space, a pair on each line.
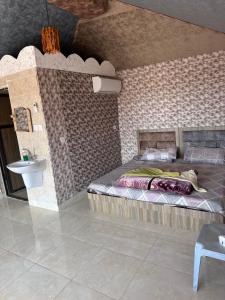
22,119
30,57
189,92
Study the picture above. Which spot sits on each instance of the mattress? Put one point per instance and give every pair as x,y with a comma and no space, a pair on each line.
211,177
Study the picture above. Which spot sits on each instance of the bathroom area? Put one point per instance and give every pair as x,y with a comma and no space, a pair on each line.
9,150
24,141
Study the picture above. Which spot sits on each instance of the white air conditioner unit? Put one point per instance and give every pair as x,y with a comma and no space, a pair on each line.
106,85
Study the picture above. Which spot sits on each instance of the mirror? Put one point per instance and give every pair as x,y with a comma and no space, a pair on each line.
22,119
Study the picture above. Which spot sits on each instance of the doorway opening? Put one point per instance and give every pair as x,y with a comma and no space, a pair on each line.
9,150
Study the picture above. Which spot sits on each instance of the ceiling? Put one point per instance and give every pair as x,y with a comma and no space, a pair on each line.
21,22
207,13
85,9
130,37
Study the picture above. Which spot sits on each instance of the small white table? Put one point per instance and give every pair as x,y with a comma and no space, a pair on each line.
208,245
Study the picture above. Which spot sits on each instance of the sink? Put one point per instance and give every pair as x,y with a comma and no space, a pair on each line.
31,171
30,166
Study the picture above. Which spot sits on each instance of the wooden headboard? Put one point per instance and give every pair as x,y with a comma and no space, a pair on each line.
157,138
213,137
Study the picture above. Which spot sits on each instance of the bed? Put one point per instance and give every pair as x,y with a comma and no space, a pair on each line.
173,210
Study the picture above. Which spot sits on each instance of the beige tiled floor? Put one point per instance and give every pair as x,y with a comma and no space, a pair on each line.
77,255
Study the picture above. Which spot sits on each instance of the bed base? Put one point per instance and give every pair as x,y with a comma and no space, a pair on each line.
162,214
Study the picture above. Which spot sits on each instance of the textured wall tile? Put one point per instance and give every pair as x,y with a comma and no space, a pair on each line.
188,92
86,121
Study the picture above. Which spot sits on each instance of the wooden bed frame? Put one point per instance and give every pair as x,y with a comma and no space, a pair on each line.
147,212
162,214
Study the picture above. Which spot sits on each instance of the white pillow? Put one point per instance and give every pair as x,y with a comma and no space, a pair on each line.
168,154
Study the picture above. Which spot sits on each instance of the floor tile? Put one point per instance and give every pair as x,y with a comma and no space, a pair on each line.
36,246
108,273
209,293
146,226
18,290
20,211
68,258
131,242
2,251
96,232
74,291
80,208
174,255
9,206
3,206
158,283
83,255
183,236
66,223
12,232
37,283
35,216
11,266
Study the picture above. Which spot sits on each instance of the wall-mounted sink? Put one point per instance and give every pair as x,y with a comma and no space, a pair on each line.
31,171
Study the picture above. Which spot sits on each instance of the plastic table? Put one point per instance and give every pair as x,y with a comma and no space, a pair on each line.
208,245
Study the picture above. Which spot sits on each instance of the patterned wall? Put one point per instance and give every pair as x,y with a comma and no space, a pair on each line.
87,122
187,92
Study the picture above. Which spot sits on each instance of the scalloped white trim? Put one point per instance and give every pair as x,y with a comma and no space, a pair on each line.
30,57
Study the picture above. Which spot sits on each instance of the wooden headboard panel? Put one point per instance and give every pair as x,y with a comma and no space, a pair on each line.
213,137
159,139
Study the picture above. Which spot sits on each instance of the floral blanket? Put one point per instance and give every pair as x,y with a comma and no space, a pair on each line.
156,184
162,180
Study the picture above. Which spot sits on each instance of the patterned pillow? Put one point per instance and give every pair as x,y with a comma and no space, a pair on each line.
160,154
205,154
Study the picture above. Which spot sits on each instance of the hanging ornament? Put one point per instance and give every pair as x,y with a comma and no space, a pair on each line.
50,40
50,36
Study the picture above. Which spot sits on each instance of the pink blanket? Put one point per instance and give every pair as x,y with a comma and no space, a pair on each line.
158,184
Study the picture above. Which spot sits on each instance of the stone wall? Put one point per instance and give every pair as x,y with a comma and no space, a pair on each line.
24,91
